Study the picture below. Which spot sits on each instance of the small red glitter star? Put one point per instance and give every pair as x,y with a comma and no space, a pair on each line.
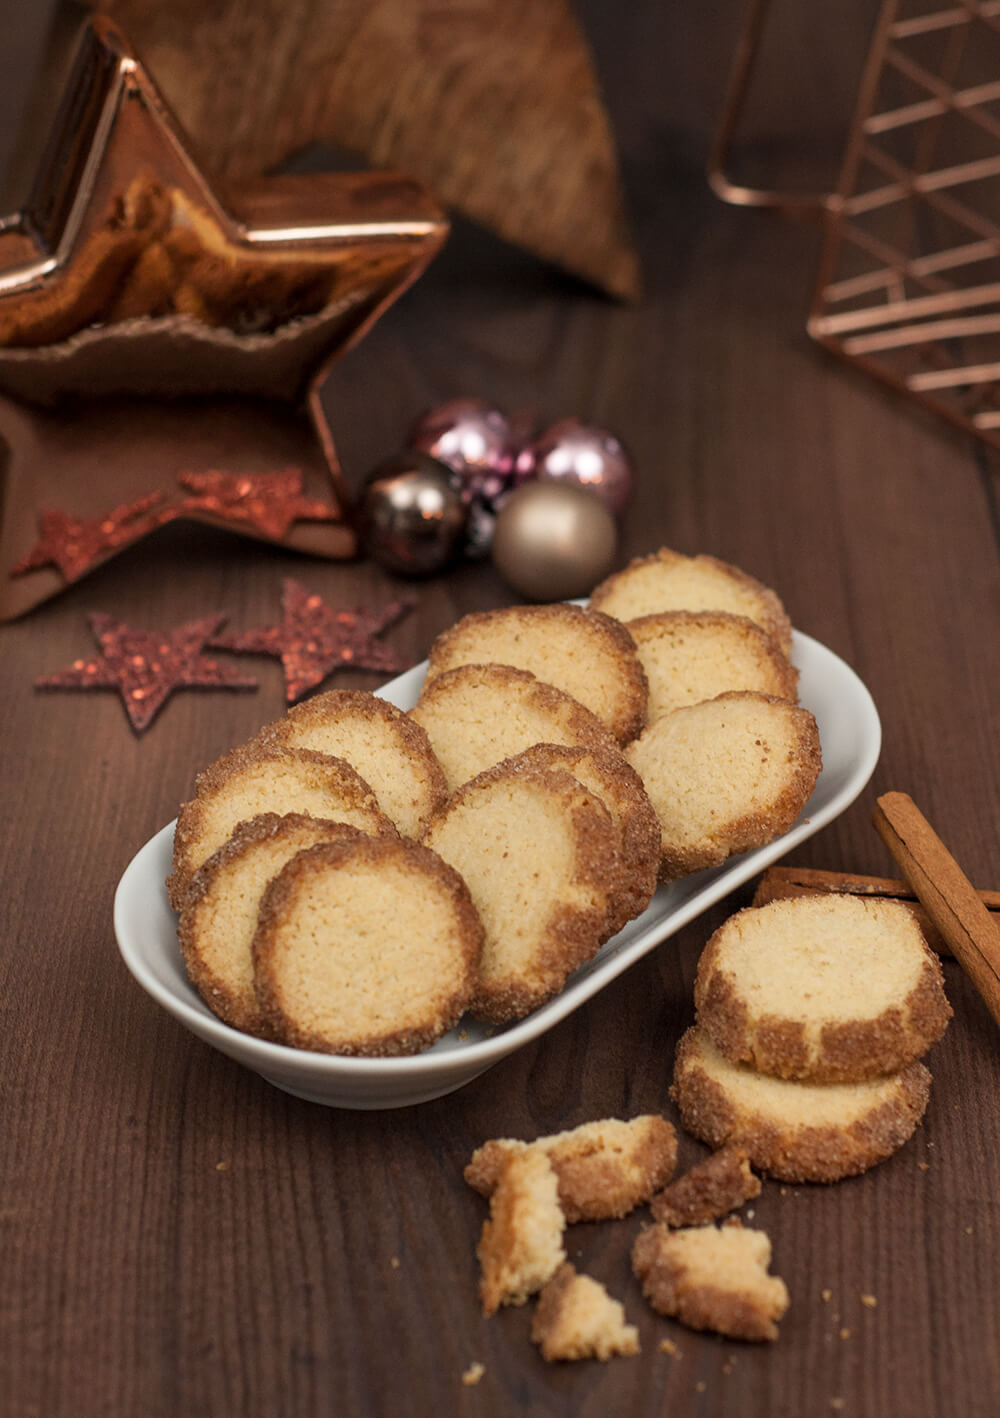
312,639
271,502
146,666
74,544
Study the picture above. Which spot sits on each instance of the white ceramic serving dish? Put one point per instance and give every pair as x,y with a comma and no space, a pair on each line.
145,925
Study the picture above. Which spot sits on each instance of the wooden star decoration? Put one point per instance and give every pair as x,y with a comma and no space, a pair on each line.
312,639
147,666
136,293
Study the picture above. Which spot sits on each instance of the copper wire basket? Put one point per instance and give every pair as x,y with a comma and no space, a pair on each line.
909,276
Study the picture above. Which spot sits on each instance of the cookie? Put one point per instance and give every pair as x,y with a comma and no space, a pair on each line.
521,1246
477,715
693,655
726,775
605,1169
366,946
576,1318
588,655
255,779
539,855
670,581
217,924
388,748
797,1132
828,988
712,1278
707,1191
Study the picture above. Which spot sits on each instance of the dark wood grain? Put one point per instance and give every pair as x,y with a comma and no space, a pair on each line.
178,1237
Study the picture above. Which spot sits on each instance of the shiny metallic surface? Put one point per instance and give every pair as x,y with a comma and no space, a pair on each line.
410,516
575,452
554,540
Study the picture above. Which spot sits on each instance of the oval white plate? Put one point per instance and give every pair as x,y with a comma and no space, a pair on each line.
145,926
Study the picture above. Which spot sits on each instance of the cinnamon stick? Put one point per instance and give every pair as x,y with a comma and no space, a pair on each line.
946,894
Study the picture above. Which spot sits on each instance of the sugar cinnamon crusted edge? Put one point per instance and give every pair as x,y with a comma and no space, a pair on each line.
216,991
755,827
346,785
567,713
647,629
849,1051
774,617
800,1153
337,856
640,828
413,742
573,934
612,637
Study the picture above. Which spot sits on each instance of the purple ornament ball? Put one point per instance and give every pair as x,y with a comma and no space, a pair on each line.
473,438
575,452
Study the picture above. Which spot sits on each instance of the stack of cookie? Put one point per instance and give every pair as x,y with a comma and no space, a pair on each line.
812,1017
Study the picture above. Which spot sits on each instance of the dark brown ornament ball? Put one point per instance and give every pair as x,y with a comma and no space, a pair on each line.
410,516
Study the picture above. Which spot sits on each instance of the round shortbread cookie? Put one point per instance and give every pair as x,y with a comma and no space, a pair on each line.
693,655
828,988
367,946
669,581
726,775
797,1132
619,787
389,749
255,779
586,654
477,715
539,853
219,918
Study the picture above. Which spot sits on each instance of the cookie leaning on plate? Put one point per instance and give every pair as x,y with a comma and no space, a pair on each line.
477,715
827,988
726,775
619,787
693,655
540,856
366,946
670,581
255,779
388,748
582,652
219,916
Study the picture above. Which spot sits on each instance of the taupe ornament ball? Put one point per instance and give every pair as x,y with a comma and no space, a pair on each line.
554,541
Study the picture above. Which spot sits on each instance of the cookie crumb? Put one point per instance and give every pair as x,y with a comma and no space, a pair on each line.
394,1262
837,1403
869,1301
701,1386
826,1295
845,1333
473,1374
667,1346
222,1166
924,1166
968,1230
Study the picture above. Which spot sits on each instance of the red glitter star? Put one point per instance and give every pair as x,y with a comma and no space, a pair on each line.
312,640
146,666
74,544
271,502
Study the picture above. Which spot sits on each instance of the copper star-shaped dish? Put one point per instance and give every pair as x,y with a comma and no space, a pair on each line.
153,324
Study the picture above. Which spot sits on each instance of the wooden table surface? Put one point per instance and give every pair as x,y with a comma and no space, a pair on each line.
180,1237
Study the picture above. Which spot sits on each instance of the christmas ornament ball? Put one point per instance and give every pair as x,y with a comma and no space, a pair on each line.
554,540
575,452
410,516
474,439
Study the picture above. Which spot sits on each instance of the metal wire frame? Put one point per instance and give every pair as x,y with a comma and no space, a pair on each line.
908,286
